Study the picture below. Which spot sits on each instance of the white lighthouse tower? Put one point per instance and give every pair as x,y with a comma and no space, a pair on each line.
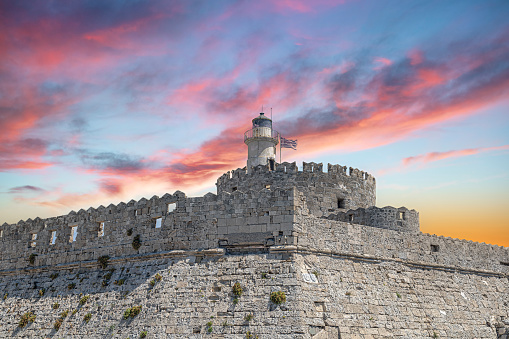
261,141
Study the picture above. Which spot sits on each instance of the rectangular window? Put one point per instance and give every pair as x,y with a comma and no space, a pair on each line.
341,203
74,233
171,207
34,238
1,233
159,222
435,248
350,217
402,215
53,237
100,233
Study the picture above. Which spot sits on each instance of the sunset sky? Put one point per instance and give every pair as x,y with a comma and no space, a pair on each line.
108,101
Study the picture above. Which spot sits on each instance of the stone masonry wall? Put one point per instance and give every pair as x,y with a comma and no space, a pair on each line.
195,223
333,191
399,219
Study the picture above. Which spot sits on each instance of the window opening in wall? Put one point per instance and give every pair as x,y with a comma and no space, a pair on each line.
109,212
53,237
402,215
34,238
135,212
341,203
148,210
267,187
1,233
159,222
435,248
100,233
350,217
271,164
171,207
74,233
234,189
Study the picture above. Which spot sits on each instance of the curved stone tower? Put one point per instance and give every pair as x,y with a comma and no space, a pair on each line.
261,141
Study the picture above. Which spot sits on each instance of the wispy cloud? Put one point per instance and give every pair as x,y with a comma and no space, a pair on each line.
436,156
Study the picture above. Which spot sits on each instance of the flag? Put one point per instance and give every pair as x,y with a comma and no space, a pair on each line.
287,143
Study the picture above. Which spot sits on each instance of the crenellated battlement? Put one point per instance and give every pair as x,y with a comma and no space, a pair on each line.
398,219
338,189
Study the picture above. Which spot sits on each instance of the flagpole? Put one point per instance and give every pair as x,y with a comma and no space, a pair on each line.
280,149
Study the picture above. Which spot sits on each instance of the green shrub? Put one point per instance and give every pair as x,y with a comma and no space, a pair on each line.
136,242
74,312
132,312
143,334
249,317
235,301
26,318
64,314
103,261
398,295
158,277
237,289
84,299
87,317
31,258
5,296
152,282
56,306
278,297
41,292
71,286
53,276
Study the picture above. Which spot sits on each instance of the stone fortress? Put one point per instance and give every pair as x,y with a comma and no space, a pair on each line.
214,266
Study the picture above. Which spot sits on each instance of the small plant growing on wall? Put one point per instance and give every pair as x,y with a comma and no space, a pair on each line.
41,292
58,323
158,277
249,317
136,242
53,276
26,318
278,297
237,289
84,299
209,327
5,296
87,317
132,312
103,261
119,282
129,232
64,314
71,286
143,334
31,258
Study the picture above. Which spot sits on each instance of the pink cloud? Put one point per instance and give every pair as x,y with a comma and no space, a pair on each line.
382,62
436,156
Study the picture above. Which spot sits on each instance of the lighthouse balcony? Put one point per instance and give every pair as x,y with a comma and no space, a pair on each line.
261,132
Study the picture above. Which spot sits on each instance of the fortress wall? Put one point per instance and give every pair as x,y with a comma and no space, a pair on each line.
189,295
382,299
322,189
412,249
398,219
328,296
195,223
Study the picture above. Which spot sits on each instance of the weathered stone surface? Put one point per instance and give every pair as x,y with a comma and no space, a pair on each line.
348,269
